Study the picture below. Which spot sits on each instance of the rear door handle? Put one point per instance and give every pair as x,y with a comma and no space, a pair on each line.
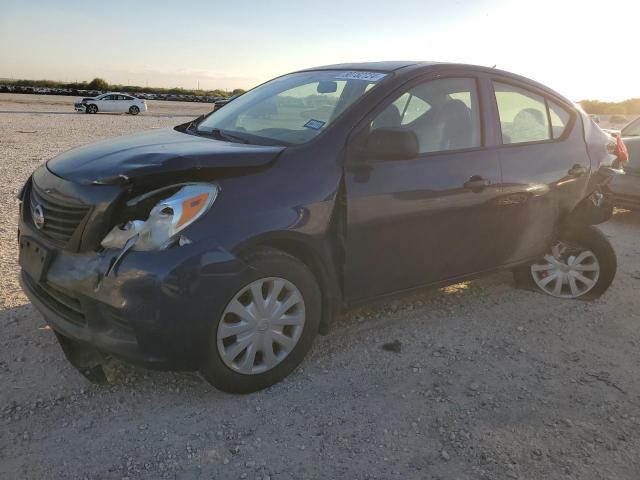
477,183
577,170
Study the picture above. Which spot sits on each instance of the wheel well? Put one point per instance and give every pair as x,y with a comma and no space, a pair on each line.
325,274
592,210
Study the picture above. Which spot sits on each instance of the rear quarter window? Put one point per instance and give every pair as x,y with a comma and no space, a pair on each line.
559,119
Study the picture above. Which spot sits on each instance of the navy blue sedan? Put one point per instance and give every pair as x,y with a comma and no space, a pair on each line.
226,244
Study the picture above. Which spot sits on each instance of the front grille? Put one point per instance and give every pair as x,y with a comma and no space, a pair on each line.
61,219
61,302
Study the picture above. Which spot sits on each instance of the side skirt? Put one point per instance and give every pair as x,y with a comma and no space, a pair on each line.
439,283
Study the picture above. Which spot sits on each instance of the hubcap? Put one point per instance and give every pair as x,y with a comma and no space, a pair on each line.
261,325
567,272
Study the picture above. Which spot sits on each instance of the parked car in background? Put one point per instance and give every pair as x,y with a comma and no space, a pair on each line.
218,104
111,103
626,188
225,244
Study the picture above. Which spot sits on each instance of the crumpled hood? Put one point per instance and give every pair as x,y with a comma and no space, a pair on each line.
156,151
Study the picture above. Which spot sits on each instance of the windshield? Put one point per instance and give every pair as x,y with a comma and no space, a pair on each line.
289,110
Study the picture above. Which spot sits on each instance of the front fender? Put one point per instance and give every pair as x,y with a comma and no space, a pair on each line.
318,254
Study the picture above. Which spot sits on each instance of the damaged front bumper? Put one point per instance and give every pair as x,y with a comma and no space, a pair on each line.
154,308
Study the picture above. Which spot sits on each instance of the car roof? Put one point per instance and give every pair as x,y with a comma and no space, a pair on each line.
388,66
392,66
414,66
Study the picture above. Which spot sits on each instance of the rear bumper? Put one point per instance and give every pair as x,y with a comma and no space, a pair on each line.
625,190
155,309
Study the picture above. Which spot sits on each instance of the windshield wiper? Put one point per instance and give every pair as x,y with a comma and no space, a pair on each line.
222,135
194,123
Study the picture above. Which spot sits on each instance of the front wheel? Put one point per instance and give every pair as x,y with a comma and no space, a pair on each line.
266,328
582,265
91,109
133,110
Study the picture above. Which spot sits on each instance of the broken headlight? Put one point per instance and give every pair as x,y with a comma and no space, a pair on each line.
166,219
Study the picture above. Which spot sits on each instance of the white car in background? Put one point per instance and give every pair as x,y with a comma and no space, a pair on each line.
111,102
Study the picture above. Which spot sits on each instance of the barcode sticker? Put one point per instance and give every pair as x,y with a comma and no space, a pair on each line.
314,124
356,75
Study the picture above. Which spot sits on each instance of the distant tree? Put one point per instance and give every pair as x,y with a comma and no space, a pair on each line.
592,106
98,84
632,105
616,109
101,84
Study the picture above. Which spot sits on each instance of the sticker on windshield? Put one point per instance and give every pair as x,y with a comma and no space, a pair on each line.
355,75
314,124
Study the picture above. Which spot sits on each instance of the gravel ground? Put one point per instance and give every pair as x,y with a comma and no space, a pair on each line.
481,381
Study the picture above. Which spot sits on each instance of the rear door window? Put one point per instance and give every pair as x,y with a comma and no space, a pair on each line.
523,115
559,119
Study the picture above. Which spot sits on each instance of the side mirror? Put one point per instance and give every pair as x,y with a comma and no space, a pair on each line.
391,144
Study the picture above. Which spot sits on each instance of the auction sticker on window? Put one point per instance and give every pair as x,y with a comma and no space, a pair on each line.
356,75
314,124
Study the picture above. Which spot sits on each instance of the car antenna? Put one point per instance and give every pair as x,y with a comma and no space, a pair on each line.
495,66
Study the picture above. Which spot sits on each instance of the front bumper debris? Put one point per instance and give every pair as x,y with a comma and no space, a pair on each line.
155,308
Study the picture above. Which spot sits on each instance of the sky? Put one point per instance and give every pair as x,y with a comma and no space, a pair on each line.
581,48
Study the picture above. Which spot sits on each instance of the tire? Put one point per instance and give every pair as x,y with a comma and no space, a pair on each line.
91,108
133,110
602,265
220,368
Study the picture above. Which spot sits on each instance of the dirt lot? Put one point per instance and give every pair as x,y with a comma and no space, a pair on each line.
490,382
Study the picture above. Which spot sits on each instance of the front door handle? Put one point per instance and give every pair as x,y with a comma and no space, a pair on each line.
476,183
577,170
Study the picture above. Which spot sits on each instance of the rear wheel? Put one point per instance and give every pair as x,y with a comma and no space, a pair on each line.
133,110
92,109
580,265
266,328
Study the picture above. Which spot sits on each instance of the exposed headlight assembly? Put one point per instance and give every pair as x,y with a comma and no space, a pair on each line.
166,219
